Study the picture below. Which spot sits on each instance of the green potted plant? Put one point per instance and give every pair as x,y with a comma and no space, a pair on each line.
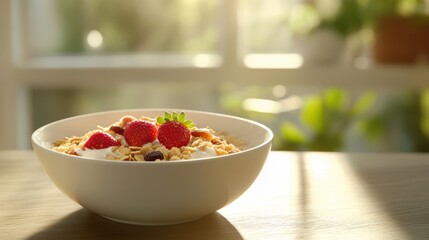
324,121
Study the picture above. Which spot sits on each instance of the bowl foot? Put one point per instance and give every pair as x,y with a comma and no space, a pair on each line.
154,223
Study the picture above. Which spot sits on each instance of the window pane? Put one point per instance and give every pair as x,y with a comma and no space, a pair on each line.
266,37
70,27
264,26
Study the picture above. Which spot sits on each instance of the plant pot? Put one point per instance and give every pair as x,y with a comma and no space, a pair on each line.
322,46
401,40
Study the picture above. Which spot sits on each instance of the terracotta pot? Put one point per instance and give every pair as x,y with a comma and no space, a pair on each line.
401,40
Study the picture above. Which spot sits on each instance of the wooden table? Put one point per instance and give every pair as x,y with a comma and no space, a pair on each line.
297,196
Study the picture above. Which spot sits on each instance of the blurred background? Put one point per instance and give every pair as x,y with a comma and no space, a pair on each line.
324,75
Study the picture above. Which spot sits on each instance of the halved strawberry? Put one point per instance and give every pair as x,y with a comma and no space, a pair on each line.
139,132
100,140
174,130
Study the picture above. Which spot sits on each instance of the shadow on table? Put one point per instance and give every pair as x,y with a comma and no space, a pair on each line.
84,224
402,193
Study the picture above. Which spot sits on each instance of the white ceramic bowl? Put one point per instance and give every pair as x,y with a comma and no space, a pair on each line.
153,193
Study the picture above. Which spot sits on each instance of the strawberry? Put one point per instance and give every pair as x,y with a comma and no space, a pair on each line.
174,130
139,132
100,140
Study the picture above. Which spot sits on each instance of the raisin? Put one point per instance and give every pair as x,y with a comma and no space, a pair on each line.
117,130
154,155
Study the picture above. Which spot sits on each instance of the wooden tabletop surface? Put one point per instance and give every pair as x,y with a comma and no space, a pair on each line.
297,196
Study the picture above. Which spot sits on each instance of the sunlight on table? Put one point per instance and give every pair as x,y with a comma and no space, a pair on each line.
308,188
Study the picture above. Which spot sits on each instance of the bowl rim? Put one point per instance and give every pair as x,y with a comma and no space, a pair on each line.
268,139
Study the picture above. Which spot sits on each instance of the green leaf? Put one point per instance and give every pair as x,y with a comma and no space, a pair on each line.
313,114
425,112
335,99
160,119
175,116
291,133
182,117
374,127
364,103
167,116
188,123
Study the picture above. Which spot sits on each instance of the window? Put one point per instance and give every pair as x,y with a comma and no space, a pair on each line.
251,58
121,33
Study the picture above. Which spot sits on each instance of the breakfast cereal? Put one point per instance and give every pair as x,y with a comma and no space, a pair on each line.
165,138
